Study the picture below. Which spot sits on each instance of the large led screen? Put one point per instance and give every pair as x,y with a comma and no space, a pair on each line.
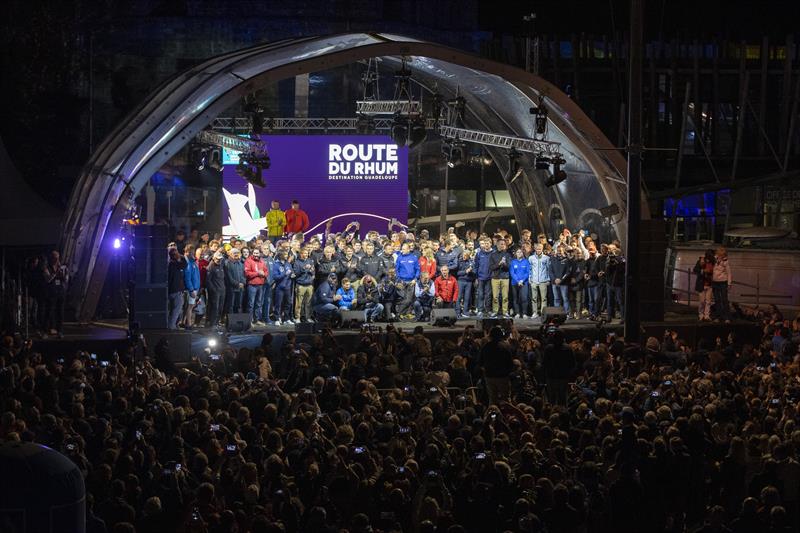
339,178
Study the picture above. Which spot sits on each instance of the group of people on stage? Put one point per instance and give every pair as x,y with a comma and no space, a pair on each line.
284,277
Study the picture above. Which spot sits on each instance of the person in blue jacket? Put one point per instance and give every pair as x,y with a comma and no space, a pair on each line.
191,279
483,294
267,294
282,277
466,278
325,299
346,294
520,271
407,269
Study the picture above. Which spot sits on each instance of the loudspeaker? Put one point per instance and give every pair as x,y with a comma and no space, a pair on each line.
556,314
443,317
353,318
485,324
238,322
150,307
150,254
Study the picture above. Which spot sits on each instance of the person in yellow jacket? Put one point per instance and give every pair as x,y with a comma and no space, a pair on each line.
276,221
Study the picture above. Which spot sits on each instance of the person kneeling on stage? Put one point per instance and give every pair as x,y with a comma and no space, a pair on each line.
389,293
368,298
346,296
325,299
446,287
425,291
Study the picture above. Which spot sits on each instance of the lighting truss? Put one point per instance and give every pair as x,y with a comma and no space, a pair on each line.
521,144
233,124
388,107
231,142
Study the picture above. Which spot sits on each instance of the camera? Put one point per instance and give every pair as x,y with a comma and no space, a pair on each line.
231,448
214,427
655,394
480,455
104,363
359,449
214,357
404,430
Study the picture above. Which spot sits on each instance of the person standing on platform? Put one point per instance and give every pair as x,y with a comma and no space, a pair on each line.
256,273
296,219
215,287
303,269
234,281
192,282
704,270
276,222
466,278
407,268
446,289
499,264
483,293
592,279
268,290
176,285
721,279
615,281
520,274
560,274
577,283
282,273
327,265
372,264
55,278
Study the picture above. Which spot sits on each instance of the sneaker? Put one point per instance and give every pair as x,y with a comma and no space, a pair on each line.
535,315
254,324
289,323
278,323
525,317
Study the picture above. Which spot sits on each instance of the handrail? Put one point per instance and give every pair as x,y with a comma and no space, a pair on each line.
689,286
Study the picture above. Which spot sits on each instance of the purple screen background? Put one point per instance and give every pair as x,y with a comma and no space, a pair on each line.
299,171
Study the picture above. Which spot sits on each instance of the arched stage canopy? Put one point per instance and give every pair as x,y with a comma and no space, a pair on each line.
498,100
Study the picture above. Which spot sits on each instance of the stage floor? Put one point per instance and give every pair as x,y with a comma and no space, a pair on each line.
109,336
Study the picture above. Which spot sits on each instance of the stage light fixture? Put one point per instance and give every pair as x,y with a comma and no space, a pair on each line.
417,133
542,163
455,154
540,118
400,130
212,342
251,166
514,168
117,244
558,174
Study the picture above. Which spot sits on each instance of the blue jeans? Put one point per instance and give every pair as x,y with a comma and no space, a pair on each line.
374,311
266,302
614,295
483,295
233,299
464,296
421,311
175,309
254,294
593,294
283,303
561,296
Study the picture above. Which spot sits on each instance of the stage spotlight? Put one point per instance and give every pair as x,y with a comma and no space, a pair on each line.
542,163
456,154
418,133
558,175
365,125
251,166
212,343
540,118
514,169
609,211
117,244
400,130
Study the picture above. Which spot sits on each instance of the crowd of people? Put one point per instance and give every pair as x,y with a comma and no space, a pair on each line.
286,277
494,431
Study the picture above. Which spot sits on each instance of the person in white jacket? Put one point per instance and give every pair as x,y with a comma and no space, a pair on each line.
720,284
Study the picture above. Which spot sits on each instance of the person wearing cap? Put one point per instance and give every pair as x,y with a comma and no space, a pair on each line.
325,298
215,286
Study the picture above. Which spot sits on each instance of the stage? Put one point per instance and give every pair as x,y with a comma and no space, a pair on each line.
109,336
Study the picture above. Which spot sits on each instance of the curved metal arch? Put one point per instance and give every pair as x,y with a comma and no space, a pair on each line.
173,114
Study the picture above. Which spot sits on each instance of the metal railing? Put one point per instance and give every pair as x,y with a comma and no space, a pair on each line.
758,294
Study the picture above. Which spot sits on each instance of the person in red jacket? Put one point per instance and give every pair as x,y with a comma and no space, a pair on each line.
427,262
296,219
446,289
256,272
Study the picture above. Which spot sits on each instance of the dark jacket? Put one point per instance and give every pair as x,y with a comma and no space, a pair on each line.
559,361
367,295
615,271
349,269
560,267
372,265
449,259
499,264
497,360
388,290
176,275
325,267
576,281
482,268
592,268
215,277
303,271
324,294
465,265
234,273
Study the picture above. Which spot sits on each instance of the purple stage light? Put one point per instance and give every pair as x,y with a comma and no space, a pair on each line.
117,243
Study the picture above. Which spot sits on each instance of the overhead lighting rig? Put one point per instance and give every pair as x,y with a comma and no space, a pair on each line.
253,155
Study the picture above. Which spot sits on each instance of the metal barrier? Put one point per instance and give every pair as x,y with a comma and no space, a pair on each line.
669,285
